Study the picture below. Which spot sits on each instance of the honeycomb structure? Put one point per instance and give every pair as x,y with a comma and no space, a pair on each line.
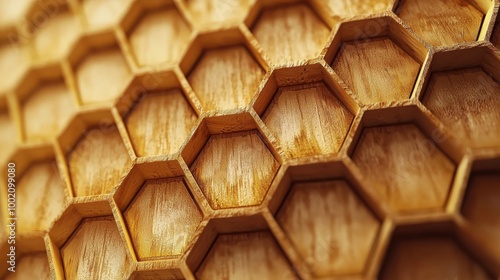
251,139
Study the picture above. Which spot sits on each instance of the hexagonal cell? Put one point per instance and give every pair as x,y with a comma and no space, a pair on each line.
232,256
206,14
308,120
343,9
32,266
14,61
226,78
436,256
376,69
272,30
101,14
341,229
13,11
162,219
442,22
480,206
235,169
467,102
97,161
40,183
95,251
53,39
405,168
46,105
160,122
149,48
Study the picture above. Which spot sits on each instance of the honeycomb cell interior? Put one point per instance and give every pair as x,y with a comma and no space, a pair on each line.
250,139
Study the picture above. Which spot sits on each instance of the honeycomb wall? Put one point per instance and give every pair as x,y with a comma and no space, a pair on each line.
243,139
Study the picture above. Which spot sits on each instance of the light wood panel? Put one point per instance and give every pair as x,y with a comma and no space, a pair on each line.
13,11
442,22
101,14
245,256
41,183
404,168
376,70
340,229
272,30
162,219
102,76
481,207
234,169
207,13
53,40
9,134
151,49
308,120
95,251
467,102
14,61
163,118
98,160
341,9
47,110
430,257
226,78
33,266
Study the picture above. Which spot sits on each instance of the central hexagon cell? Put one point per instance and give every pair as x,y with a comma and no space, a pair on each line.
340,230
406,170
235,169
162,219
226,78
308,120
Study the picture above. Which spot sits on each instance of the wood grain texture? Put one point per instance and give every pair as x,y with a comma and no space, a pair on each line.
308,120
9,135
160,123
40,185
234,169
32,266
341,9
272,30
102,76
467,102
95,251
226,78
245,256
495,36
481,207
404,168
162,219
442,22
376,70
14,60
98,160
332,229
101,14
429,257
52,41
208,13
149,48
47,110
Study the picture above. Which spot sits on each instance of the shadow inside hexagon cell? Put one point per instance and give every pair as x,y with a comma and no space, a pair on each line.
8,131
